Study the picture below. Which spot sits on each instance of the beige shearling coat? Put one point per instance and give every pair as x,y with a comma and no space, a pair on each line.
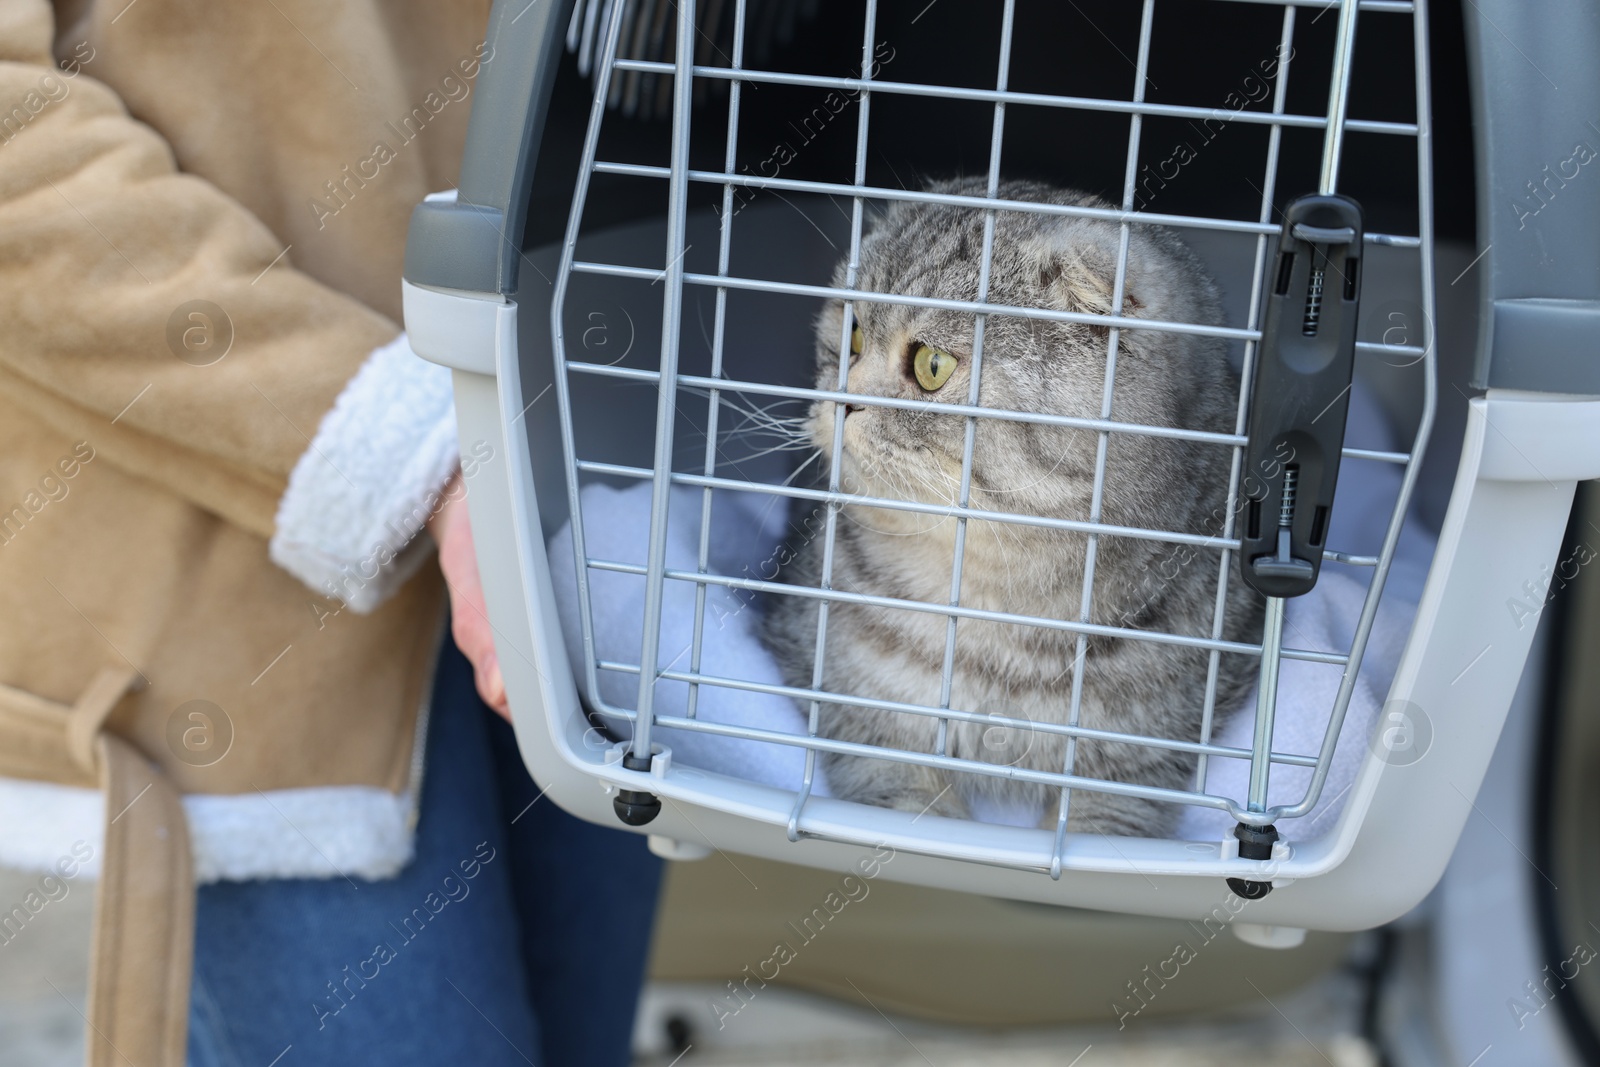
262,158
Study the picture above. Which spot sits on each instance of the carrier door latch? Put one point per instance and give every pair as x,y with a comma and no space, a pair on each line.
1299,397
1300,394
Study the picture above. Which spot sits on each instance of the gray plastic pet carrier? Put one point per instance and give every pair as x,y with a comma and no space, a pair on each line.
652,205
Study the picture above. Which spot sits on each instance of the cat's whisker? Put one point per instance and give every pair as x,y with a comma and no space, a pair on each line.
786,446
816,453
799,469
732,398
777,431
1046,476
755,414
901,482
758,419
1002,549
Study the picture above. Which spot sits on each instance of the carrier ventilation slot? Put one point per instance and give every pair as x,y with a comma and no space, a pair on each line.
1319,525
1285,269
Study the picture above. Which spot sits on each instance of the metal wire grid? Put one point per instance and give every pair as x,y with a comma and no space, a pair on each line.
667,380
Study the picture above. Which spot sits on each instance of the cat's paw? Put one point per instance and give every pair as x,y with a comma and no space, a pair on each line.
1110,815
922,802
902,786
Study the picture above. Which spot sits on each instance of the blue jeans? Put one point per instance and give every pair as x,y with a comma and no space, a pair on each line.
536,958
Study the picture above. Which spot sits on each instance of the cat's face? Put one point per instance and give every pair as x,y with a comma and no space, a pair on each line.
924,356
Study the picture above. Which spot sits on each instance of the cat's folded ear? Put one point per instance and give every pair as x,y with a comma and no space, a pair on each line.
1080,276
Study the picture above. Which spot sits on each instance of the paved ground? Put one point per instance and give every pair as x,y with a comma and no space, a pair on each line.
44,976
43,979
1347,1052
1310,1028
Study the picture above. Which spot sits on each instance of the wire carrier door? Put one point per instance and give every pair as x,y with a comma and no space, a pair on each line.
551,407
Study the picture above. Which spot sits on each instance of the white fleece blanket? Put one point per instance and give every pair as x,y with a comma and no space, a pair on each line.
748,528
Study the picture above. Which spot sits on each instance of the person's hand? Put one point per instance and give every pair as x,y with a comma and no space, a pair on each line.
469,617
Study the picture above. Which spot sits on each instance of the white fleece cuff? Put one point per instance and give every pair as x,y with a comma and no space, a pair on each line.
358,496
325,832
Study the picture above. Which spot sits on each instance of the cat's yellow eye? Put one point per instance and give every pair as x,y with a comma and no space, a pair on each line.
933,367
858,340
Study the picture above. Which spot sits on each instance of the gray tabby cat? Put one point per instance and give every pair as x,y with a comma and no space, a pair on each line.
1025,672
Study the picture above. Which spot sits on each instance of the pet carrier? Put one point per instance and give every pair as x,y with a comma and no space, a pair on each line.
652,204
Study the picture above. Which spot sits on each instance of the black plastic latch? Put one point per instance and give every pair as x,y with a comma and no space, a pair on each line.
633,806
1255,843
1300,394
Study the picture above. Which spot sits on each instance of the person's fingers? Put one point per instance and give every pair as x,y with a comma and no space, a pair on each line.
469,629
475,638
473,635
492,687
469,614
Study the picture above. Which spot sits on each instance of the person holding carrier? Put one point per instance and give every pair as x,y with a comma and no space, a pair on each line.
218,458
